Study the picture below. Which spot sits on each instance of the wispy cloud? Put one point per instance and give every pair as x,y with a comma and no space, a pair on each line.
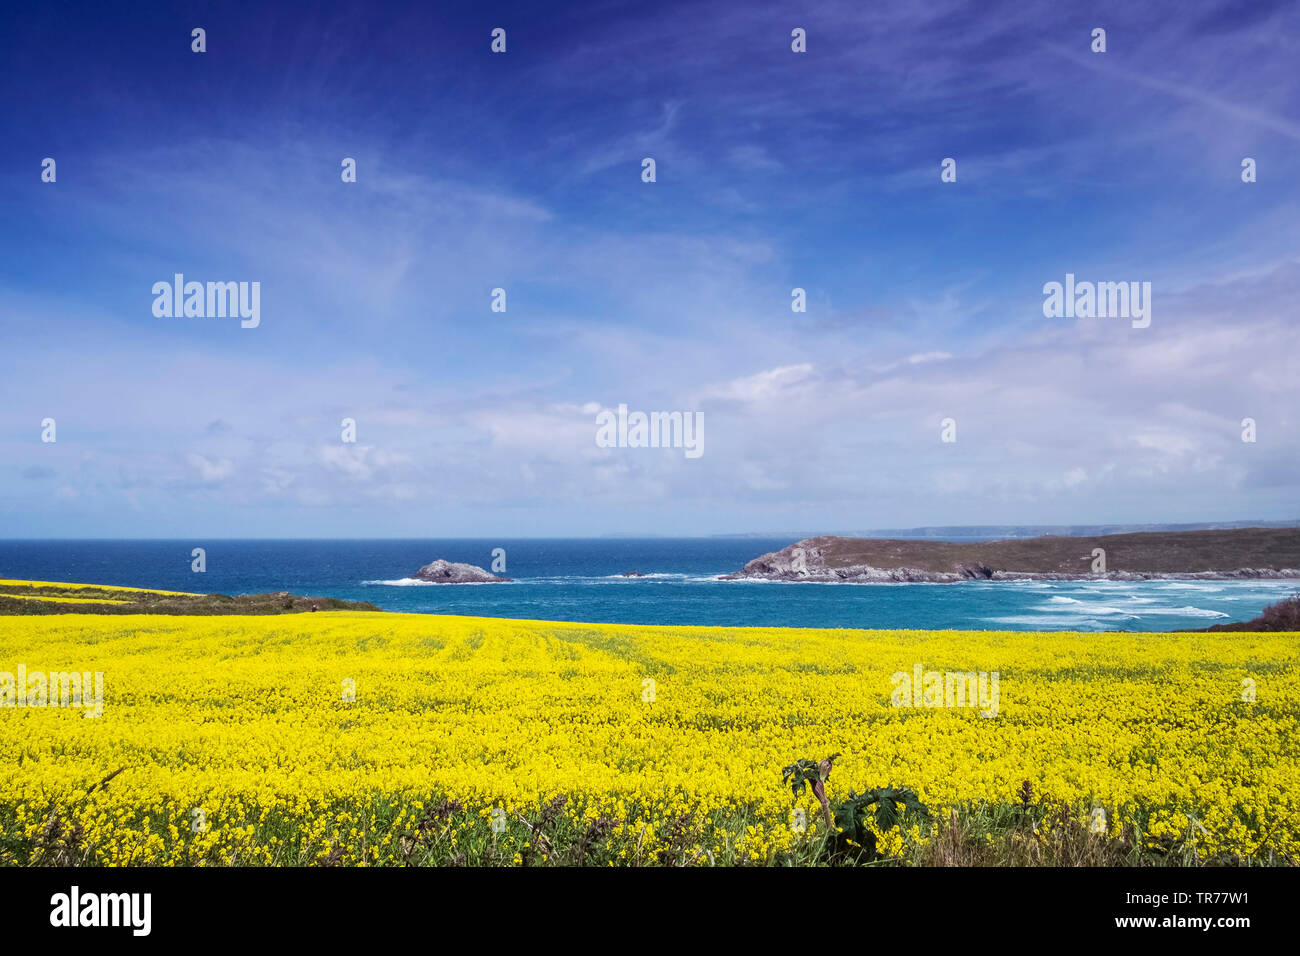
777,170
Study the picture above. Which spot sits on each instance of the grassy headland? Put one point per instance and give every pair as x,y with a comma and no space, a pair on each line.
54,597
1241,552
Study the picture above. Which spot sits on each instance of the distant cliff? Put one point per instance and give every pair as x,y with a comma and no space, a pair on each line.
1235,553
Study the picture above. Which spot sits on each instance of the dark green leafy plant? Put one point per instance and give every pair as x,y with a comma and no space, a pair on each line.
849,837
805,772
889,806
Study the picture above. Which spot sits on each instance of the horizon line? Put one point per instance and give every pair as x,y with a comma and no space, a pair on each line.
1243,524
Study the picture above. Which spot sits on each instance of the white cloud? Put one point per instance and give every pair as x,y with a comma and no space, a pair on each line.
211,472
761,386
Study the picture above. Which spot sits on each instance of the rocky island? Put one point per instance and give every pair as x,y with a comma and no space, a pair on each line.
449,572
1204,555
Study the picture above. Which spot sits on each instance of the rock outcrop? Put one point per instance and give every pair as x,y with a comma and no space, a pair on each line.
830,559
449,572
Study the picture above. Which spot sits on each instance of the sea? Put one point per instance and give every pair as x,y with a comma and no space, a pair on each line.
582,580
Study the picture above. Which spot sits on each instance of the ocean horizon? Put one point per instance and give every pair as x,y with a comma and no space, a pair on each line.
582,579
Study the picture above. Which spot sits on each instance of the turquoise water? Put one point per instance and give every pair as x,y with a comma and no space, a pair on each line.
580,580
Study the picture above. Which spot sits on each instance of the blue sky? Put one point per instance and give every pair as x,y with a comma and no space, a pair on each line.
522,171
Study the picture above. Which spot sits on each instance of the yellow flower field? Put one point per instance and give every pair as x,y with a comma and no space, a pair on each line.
235,737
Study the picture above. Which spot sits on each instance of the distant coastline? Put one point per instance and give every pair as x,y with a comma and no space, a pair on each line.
584,581
999,532
1225,554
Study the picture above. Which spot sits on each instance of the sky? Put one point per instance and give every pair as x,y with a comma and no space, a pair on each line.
522,170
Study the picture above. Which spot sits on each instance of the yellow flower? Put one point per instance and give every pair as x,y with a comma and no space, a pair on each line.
241,718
